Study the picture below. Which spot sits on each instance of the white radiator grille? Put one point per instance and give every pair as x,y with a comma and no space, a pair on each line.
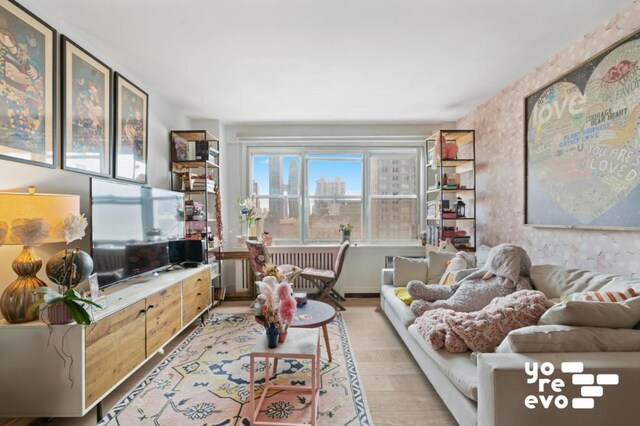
319,258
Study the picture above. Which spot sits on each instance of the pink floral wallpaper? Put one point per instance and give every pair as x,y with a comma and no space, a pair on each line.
500,166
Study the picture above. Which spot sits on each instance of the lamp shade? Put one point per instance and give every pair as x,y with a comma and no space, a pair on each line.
51,208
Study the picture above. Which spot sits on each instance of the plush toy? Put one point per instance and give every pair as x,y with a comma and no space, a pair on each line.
456,264
446,246
506,271
449,149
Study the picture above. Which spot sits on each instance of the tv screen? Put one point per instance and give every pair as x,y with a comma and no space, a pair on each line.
131,226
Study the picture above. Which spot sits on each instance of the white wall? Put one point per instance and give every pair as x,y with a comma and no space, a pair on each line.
163,116
361,273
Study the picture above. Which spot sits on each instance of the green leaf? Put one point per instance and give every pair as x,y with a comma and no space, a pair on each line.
77,312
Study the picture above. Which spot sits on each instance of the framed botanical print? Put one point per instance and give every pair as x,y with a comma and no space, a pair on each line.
27,87
131,128
86,111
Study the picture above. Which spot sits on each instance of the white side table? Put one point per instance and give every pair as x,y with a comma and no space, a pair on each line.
301,343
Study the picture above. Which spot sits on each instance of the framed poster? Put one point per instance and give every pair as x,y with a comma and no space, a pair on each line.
582,144
86,111
132,106
27,87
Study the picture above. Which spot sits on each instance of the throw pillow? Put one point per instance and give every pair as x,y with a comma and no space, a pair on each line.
406,269
604,296
563,338
456,264
437,265
403,295
593,314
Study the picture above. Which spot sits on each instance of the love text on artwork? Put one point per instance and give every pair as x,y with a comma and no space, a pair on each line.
552,108
618,162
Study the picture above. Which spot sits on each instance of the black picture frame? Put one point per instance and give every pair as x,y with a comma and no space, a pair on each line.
127,127
34,128
78,126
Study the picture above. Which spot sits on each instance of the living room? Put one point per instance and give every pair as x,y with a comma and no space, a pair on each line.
159,161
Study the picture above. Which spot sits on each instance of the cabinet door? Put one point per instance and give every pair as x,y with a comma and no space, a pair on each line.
196,295
114,346
163,317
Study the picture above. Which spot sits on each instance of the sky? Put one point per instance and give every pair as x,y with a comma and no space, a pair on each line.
319,165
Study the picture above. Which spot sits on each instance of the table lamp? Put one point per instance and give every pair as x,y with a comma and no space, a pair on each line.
29,219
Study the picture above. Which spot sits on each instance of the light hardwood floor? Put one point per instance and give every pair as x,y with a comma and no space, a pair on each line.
396,390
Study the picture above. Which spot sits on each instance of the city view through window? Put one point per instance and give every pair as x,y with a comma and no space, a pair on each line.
314,193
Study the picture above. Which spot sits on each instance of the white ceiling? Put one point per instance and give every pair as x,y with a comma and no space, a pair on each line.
330,60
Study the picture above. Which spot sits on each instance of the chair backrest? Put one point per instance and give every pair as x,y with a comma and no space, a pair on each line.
342,253
259,257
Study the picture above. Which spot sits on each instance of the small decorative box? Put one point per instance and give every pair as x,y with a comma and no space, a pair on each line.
301,298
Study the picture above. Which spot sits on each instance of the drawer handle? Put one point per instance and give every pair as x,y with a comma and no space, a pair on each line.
199,294
150,306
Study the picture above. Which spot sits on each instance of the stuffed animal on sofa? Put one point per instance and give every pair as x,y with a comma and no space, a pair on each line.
506,271
446,246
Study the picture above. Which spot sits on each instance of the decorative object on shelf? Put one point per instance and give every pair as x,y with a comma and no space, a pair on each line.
86,111
32,220
460,208
446,150
582,157
346,231
131,118
279,306
27,129
69,267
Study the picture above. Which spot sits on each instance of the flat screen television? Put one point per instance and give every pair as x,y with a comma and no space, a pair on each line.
131,226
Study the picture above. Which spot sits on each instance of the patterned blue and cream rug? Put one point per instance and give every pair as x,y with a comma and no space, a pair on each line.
205,381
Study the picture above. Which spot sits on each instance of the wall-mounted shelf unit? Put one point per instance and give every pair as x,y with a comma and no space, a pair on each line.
450,178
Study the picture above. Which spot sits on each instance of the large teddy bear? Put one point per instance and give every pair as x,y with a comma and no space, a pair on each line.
506,271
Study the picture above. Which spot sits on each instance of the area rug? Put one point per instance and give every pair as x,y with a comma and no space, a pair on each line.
205,381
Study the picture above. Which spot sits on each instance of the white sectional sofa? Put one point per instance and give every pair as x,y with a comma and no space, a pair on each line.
491,389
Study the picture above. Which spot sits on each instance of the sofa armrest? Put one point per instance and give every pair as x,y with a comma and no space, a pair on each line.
386,277
503,389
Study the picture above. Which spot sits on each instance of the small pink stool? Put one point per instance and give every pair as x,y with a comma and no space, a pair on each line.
301,343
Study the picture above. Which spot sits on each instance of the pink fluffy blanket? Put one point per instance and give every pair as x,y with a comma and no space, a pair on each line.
483,330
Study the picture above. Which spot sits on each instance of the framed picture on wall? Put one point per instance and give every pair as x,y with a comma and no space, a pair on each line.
131,129
28,81
86,111
582,149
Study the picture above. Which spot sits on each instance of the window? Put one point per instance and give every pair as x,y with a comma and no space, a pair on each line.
334,195
308,193
276,182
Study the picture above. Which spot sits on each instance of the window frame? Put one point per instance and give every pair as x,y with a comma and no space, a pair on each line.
304,150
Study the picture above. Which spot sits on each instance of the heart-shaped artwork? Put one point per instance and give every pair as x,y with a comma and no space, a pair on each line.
583,149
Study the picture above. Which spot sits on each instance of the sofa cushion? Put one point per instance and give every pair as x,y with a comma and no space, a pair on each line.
401,310
564,338
594,314
407,269
556,281
438,263
458,368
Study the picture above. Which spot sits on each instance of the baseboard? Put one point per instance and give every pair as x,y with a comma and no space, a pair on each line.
362,295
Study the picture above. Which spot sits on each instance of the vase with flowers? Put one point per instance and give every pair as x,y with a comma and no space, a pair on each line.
280,307
252,216
346,231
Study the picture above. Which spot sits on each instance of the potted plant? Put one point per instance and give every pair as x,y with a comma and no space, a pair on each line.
62,308
346,231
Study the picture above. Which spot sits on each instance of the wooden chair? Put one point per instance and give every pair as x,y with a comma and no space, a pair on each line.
326,279
259,258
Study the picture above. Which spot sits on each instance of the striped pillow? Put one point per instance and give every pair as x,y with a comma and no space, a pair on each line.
604,296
